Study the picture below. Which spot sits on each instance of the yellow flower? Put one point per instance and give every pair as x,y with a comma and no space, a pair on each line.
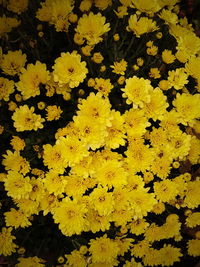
194,247
6,88
31,78
56,12
191,67
76,258
148,6
27,206
86,50
139,156
97,222
193,219
103,249
70,216
121,11
111,174
154,73
96,108
7,246
30,261
141,202
156,107
115,133
7,24
85,5
177,78
97,57
90,132
168,16
53,157
141,25
17,6
54,183
74,185
69,69
191,199
135,122
13,161
194,152
167,56
17,143
169,255
53,113
92,27
13,62
73,150
152,51
104,86
137,91
26,120
16,219
17,186
119,67
138,226
102,201
165,190
102,4
187,107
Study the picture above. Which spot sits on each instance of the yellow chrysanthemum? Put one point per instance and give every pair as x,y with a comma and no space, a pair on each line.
191,199
193,219
53,113
91,27
177,78
194,247
148,6
31,78
111,173
90,132
103,250
73,150
167,56
6,88
13,161
70,215
54,183
30,261
157,106
135,122
13,62
96,108
16,219
26,120
69,69
165,190
115,133
7,24
17,185
102,201
187,107
17,6
104,86
141,25
119,67
137,91
56,12
7,246
53,157
17,143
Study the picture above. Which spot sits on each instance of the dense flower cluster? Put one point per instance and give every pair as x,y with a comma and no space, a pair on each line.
103,129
